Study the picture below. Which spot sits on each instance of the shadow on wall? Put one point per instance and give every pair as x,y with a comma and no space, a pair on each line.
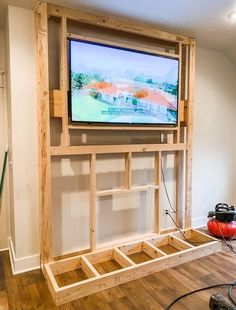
117,216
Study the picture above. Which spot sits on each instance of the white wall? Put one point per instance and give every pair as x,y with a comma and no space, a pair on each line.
213,176
214,146
24,144
3,146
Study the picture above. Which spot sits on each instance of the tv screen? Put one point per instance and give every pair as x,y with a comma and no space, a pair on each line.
113,85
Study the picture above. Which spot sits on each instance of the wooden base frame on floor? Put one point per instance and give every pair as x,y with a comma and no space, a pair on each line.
132,261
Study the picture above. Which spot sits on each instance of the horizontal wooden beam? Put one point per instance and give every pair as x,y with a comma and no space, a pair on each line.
115,149
115,191
116,24
120,127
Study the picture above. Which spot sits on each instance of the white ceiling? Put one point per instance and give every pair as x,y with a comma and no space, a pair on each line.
206,20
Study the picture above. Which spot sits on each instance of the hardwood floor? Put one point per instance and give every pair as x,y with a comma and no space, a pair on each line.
156,291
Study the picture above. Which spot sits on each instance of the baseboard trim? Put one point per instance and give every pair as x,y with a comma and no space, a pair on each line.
23,264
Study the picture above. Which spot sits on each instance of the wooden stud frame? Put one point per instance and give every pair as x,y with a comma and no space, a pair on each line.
176,140
159,259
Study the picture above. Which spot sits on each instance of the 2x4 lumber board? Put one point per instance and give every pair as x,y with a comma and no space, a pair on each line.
65,265
120,127
122,259
91,286
178,243
132,248
100,256
119,44
112,149
44,133
64,81
178,186
188,191
71,254
126,190
50,279
151,251
156,249
88,268
168,230
128,173
55,103
92,201
179,51
113,23
158,158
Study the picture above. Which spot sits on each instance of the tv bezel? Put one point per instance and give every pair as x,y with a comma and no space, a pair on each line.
109,124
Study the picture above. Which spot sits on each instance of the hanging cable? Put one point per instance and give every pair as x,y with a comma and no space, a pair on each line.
165,187
230,285
168,212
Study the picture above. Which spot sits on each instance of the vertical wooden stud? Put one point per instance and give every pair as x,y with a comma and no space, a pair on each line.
157,192
92,189
128,158
64,81
44,133
191,74
179,52
178,187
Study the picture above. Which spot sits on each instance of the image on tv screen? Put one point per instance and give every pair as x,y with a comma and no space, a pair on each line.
120,86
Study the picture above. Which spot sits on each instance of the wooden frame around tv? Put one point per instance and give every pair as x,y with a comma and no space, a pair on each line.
52,103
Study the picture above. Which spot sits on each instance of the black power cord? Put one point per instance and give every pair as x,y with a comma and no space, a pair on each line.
168,212
229,245
230,285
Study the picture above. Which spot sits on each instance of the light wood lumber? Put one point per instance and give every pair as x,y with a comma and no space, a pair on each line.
112,149
116,191
151,251
157,168
122,259
128,172
92,201
44,134
75,126
88,268
188,192
64,81
116,24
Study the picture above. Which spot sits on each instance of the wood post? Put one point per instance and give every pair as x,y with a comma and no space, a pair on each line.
157,192
64,81
44,134
92,188
191,80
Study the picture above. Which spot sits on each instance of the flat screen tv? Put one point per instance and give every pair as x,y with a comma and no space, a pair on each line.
114,85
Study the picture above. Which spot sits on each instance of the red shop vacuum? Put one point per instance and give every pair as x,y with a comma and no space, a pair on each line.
222,221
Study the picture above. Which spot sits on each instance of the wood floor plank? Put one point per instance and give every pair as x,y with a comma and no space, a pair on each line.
29,291
3,300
